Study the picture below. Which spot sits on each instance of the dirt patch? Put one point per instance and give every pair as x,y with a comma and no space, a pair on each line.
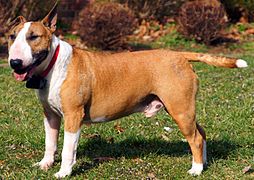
4,65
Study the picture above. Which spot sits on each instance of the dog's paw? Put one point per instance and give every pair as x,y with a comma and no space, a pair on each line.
44,164
62,173
196,169
194,172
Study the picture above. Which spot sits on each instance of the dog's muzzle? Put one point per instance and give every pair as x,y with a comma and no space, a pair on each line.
22,73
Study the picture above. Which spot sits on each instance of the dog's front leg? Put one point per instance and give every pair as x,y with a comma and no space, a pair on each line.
68,153
52,125
72,128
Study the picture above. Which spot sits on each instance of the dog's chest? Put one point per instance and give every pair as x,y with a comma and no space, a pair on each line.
50,95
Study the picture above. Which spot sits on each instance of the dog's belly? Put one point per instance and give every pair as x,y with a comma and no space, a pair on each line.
148,105
95,116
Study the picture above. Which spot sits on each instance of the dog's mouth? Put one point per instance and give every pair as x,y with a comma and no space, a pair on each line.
24,73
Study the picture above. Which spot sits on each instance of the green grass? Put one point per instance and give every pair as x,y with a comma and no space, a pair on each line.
225,106
246,47
174,40
2,61
71,36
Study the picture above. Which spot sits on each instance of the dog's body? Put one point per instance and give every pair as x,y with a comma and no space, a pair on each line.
87,87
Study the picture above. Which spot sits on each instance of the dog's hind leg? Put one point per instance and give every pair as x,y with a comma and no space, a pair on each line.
52,124
180,103
185,118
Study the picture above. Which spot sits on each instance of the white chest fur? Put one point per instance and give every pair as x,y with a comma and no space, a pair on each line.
50,95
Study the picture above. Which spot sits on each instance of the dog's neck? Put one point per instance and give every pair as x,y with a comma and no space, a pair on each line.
55,42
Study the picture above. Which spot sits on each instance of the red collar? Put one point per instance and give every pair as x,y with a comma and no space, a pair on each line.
52,62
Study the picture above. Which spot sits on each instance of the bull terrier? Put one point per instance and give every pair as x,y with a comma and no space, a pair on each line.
85,87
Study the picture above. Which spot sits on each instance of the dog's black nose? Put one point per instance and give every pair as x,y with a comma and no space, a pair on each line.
16,63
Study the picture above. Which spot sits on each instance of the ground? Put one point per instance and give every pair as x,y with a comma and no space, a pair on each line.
136,147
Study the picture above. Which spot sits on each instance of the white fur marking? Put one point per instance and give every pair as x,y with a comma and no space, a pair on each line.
20,49
68,153
50,146
51,94
240,63
50,97
196,169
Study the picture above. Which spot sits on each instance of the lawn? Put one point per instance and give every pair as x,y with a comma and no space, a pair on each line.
136,147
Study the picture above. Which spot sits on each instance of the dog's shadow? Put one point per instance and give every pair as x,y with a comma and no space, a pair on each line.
100,150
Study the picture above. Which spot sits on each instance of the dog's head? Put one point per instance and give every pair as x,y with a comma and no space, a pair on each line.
29,44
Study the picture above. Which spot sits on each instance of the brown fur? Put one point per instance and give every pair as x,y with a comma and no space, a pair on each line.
14,31
44,39
113,85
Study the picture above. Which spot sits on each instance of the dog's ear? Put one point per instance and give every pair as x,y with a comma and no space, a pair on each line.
16,21
51,19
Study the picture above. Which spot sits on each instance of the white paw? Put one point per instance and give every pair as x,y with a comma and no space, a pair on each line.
194,172
44,164
196,169
62,173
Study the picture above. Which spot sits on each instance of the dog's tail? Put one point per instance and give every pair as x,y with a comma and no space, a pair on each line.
215,60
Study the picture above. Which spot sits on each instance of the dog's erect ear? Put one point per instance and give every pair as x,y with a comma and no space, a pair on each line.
18,20
51,19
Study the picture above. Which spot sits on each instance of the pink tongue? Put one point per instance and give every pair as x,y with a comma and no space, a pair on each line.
20,77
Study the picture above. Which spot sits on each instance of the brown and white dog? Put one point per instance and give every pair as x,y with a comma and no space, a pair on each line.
87,87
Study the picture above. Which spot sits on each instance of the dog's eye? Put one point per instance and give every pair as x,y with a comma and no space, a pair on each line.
12,37
33,37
